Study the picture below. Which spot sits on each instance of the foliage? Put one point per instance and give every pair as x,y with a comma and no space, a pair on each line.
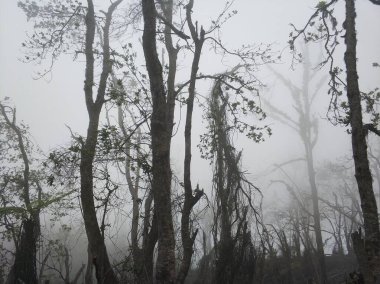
323,27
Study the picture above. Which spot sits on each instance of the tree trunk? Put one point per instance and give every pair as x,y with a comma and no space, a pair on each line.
99,257
161,137
370,245
24,269
316,216
190,200
97,249
143,260
226,182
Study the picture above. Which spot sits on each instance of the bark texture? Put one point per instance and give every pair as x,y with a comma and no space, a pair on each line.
161,126
97,249
367,248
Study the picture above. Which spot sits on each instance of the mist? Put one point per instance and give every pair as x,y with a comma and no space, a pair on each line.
189,141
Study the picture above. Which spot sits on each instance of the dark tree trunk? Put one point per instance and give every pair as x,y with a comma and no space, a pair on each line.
24,269
161,137
97,249
148,250
143,260
99,257
367,249
190,200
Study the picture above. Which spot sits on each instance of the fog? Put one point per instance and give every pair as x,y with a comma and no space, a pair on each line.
54,108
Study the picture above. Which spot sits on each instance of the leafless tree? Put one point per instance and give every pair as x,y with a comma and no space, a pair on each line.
306,127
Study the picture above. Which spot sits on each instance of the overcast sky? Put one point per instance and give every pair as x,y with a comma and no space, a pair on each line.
49,104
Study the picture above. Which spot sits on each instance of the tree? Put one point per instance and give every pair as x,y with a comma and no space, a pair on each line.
190,199
21,180
366,248
307,128
66,24
26,190
60,26
97,248
234,194
127,146
161,131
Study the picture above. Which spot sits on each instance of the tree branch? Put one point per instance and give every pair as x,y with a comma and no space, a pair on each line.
179,33
370,127
375,2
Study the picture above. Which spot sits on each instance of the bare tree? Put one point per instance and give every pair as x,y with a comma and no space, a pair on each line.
306,127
